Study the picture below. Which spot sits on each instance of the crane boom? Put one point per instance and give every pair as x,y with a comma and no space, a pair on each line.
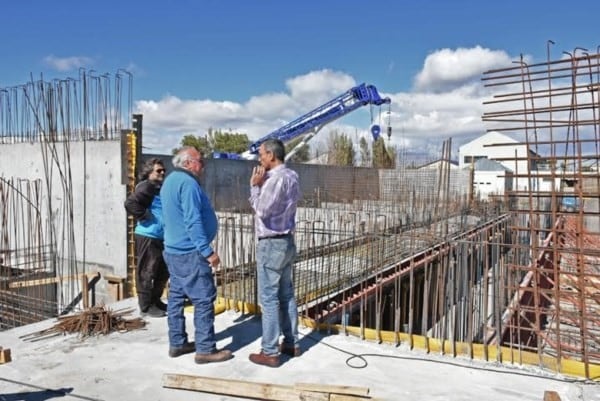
312,122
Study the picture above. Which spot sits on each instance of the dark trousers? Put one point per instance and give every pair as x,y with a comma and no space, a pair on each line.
151,274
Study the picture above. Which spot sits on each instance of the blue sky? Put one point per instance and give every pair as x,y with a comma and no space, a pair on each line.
251,65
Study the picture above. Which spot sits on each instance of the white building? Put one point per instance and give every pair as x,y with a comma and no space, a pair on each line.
491,178
503,149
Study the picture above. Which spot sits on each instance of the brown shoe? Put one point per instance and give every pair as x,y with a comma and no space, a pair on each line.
290,350
219,355
187,348
264,359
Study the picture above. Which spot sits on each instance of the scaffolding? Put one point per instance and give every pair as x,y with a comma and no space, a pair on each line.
553,109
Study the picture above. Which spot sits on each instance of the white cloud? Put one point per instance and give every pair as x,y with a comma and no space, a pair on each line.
447,101
63,64
167,120
428,115
319,82
447,68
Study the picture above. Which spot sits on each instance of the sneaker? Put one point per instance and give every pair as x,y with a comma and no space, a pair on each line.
218,355
153,311
186,348
261,358
290,350
161,305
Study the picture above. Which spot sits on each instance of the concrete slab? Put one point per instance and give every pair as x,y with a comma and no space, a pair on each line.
130,366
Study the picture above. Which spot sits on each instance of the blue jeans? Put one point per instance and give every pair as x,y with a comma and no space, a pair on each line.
275,257
191,277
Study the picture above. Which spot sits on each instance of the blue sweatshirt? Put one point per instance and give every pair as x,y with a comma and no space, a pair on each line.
145,205
190,222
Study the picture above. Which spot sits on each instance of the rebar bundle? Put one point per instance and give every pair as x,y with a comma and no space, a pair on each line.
94,321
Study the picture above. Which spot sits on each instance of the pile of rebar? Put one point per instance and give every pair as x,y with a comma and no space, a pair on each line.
97,320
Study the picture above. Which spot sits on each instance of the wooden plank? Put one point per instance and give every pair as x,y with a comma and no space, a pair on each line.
50,280
551,396
333,389
5,355
84,292
114,279
262,391
116,284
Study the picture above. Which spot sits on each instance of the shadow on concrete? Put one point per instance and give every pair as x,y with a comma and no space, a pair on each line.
40,395
247,329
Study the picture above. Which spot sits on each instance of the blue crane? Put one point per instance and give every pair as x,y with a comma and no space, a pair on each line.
312,122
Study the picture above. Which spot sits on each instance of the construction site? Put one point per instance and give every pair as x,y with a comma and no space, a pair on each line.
405,256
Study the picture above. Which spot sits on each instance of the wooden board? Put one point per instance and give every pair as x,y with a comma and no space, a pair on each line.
50,280
5,355
551,396
333,389
240,388
261,391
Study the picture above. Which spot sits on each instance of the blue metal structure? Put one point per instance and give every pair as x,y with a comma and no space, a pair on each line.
311,123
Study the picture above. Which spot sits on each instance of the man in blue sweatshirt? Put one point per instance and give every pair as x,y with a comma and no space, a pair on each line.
190,227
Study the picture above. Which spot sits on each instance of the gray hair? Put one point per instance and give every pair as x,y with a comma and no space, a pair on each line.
182,156
276,147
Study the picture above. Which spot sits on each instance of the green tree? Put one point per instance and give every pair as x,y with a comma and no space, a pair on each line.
383,156
341,151
302,155
365,153
216,141
228,142
199,142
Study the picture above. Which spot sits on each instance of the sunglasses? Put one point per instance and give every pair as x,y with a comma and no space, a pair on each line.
159,171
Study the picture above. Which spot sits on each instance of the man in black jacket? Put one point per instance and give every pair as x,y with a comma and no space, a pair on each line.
145,205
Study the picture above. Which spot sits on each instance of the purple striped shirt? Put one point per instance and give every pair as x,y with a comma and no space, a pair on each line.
275,202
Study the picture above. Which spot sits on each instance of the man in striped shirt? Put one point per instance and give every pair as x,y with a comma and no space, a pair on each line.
274,194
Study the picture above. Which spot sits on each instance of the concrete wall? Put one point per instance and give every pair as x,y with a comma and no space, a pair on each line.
91,173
